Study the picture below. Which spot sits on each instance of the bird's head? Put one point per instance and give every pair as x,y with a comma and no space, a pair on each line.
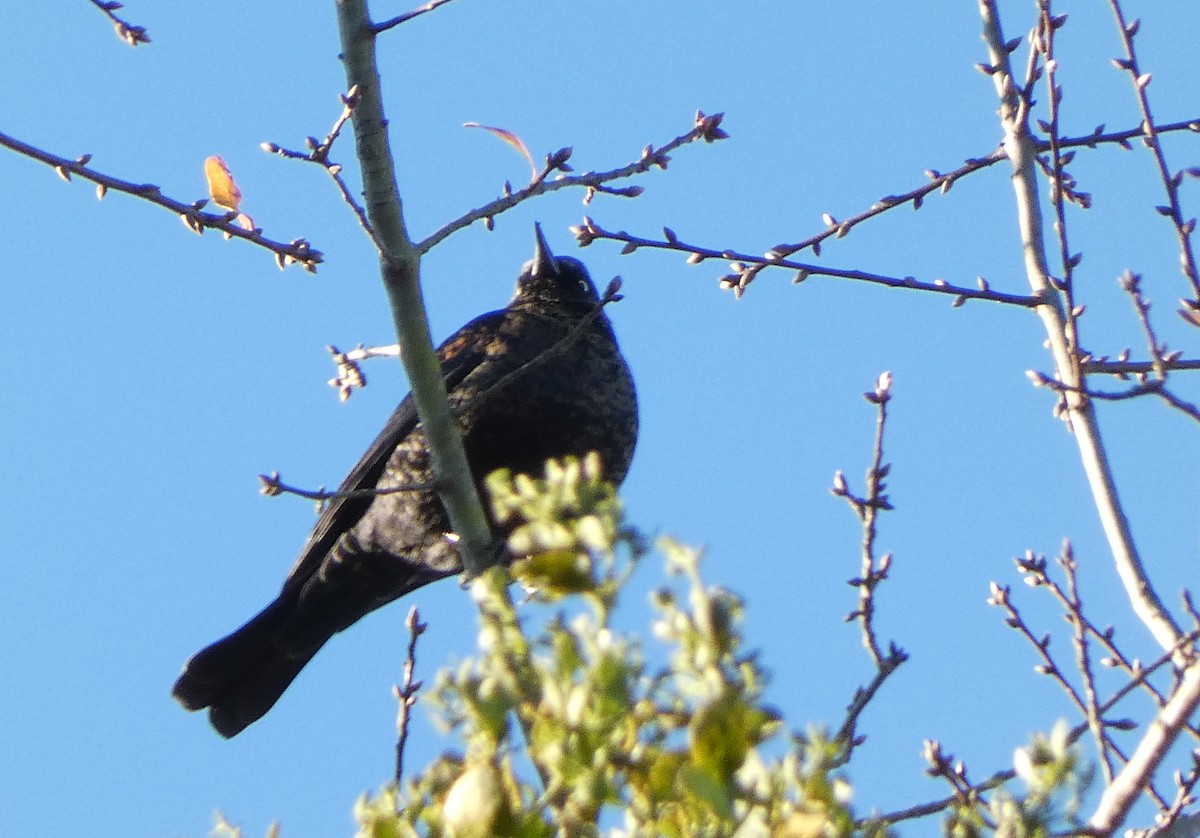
558,280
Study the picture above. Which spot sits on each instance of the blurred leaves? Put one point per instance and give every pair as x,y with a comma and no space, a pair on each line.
608,744
667,752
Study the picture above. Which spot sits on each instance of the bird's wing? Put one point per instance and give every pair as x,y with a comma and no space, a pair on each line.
460,355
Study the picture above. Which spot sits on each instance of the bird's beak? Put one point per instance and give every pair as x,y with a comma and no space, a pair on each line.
543,259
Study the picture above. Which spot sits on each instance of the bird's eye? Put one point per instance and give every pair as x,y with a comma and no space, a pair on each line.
583,286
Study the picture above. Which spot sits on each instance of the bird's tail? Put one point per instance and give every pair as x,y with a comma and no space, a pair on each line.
240,677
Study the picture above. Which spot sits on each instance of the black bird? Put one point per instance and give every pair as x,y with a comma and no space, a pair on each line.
366,552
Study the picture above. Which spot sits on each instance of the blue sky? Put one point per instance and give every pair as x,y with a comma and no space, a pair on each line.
152,374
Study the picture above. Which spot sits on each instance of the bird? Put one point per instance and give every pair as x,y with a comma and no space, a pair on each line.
541,378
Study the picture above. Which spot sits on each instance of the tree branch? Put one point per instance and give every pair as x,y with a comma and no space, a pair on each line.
126,31
1022,151
273,486
400,264
873,570
298,251
1124,790
1172,210
707,128
407,16
778,256
746,266
319,153
406,691
1103,366
349,376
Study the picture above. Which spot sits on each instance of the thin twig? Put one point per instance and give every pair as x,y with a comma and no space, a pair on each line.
707,128
1001,596
272,486
848,732
349,376
1000,777
1120,795
1153,387
1034,569
745,267
318,152
954,772
1131,284
873,571
1179,404
406,692
1172,209
298,251
1083,661
1146,388
407,16
1139,674
1103,366
1185,784
126,31
938,181
610,295
943,181
1061,184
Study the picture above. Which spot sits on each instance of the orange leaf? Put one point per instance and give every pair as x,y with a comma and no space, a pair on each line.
221,187
510,138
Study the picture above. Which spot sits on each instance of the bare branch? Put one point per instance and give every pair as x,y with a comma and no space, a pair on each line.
126,31
707,128
1159,356
272,486
1140,673
1001,596
1061,184
1179,404
1022,152
1083,661
406,692
746,266
1103,366
298,251
350,376
965,791
873,570
1152,387
847,733
610,295
407,16
319,153
400,270
943,181
1120,795
1034,569
1131,284
1173,814
1172,209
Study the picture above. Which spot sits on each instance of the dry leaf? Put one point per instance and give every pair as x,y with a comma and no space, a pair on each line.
221,187
510,138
